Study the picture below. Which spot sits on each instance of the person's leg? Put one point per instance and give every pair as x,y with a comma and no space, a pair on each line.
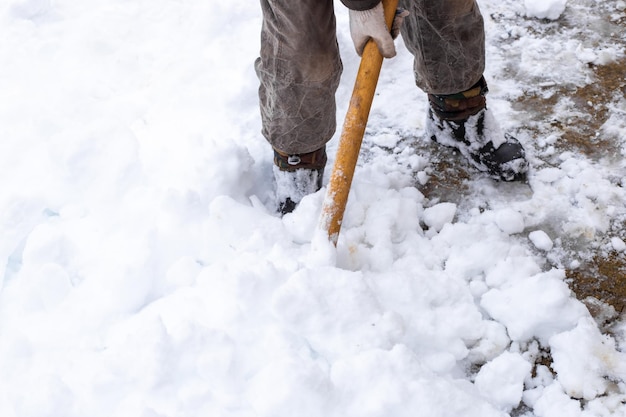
447,39
299,70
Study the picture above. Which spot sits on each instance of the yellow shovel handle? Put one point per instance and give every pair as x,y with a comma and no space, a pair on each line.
352,134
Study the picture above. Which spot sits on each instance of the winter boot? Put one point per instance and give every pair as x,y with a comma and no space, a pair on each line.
463,121
297,176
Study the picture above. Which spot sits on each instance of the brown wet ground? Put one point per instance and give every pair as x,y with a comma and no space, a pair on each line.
600,280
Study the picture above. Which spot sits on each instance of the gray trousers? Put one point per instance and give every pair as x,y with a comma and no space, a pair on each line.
299,65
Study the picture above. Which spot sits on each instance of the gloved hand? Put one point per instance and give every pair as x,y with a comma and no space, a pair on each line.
366,24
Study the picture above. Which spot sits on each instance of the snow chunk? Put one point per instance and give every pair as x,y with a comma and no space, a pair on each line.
597,56
539,306
554,403
439,215
510,221
502,380
583,357
549,175
385,140
541,240
493,342
545,9
618,244
586,55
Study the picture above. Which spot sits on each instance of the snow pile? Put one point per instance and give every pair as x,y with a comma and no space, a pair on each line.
145,273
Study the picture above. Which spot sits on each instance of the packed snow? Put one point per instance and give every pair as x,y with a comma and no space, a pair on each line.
145,272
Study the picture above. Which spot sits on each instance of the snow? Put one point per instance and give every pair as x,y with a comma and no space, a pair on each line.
146,274
618,244
604,364
545,9
541,240
507,372
437,216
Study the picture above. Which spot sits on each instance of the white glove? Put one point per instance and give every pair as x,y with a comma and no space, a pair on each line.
370,24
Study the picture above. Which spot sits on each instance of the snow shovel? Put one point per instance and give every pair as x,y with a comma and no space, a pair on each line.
354,125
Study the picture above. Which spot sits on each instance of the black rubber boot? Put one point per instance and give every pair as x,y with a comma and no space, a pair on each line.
296,176
462,121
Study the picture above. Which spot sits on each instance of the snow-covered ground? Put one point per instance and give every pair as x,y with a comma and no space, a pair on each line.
145,274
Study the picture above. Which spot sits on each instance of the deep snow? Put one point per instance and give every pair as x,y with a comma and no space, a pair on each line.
145,273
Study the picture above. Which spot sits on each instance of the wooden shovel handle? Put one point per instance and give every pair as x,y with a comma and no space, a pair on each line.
352,134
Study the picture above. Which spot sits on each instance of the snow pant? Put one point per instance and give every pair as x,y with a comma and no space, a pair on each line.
299,65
